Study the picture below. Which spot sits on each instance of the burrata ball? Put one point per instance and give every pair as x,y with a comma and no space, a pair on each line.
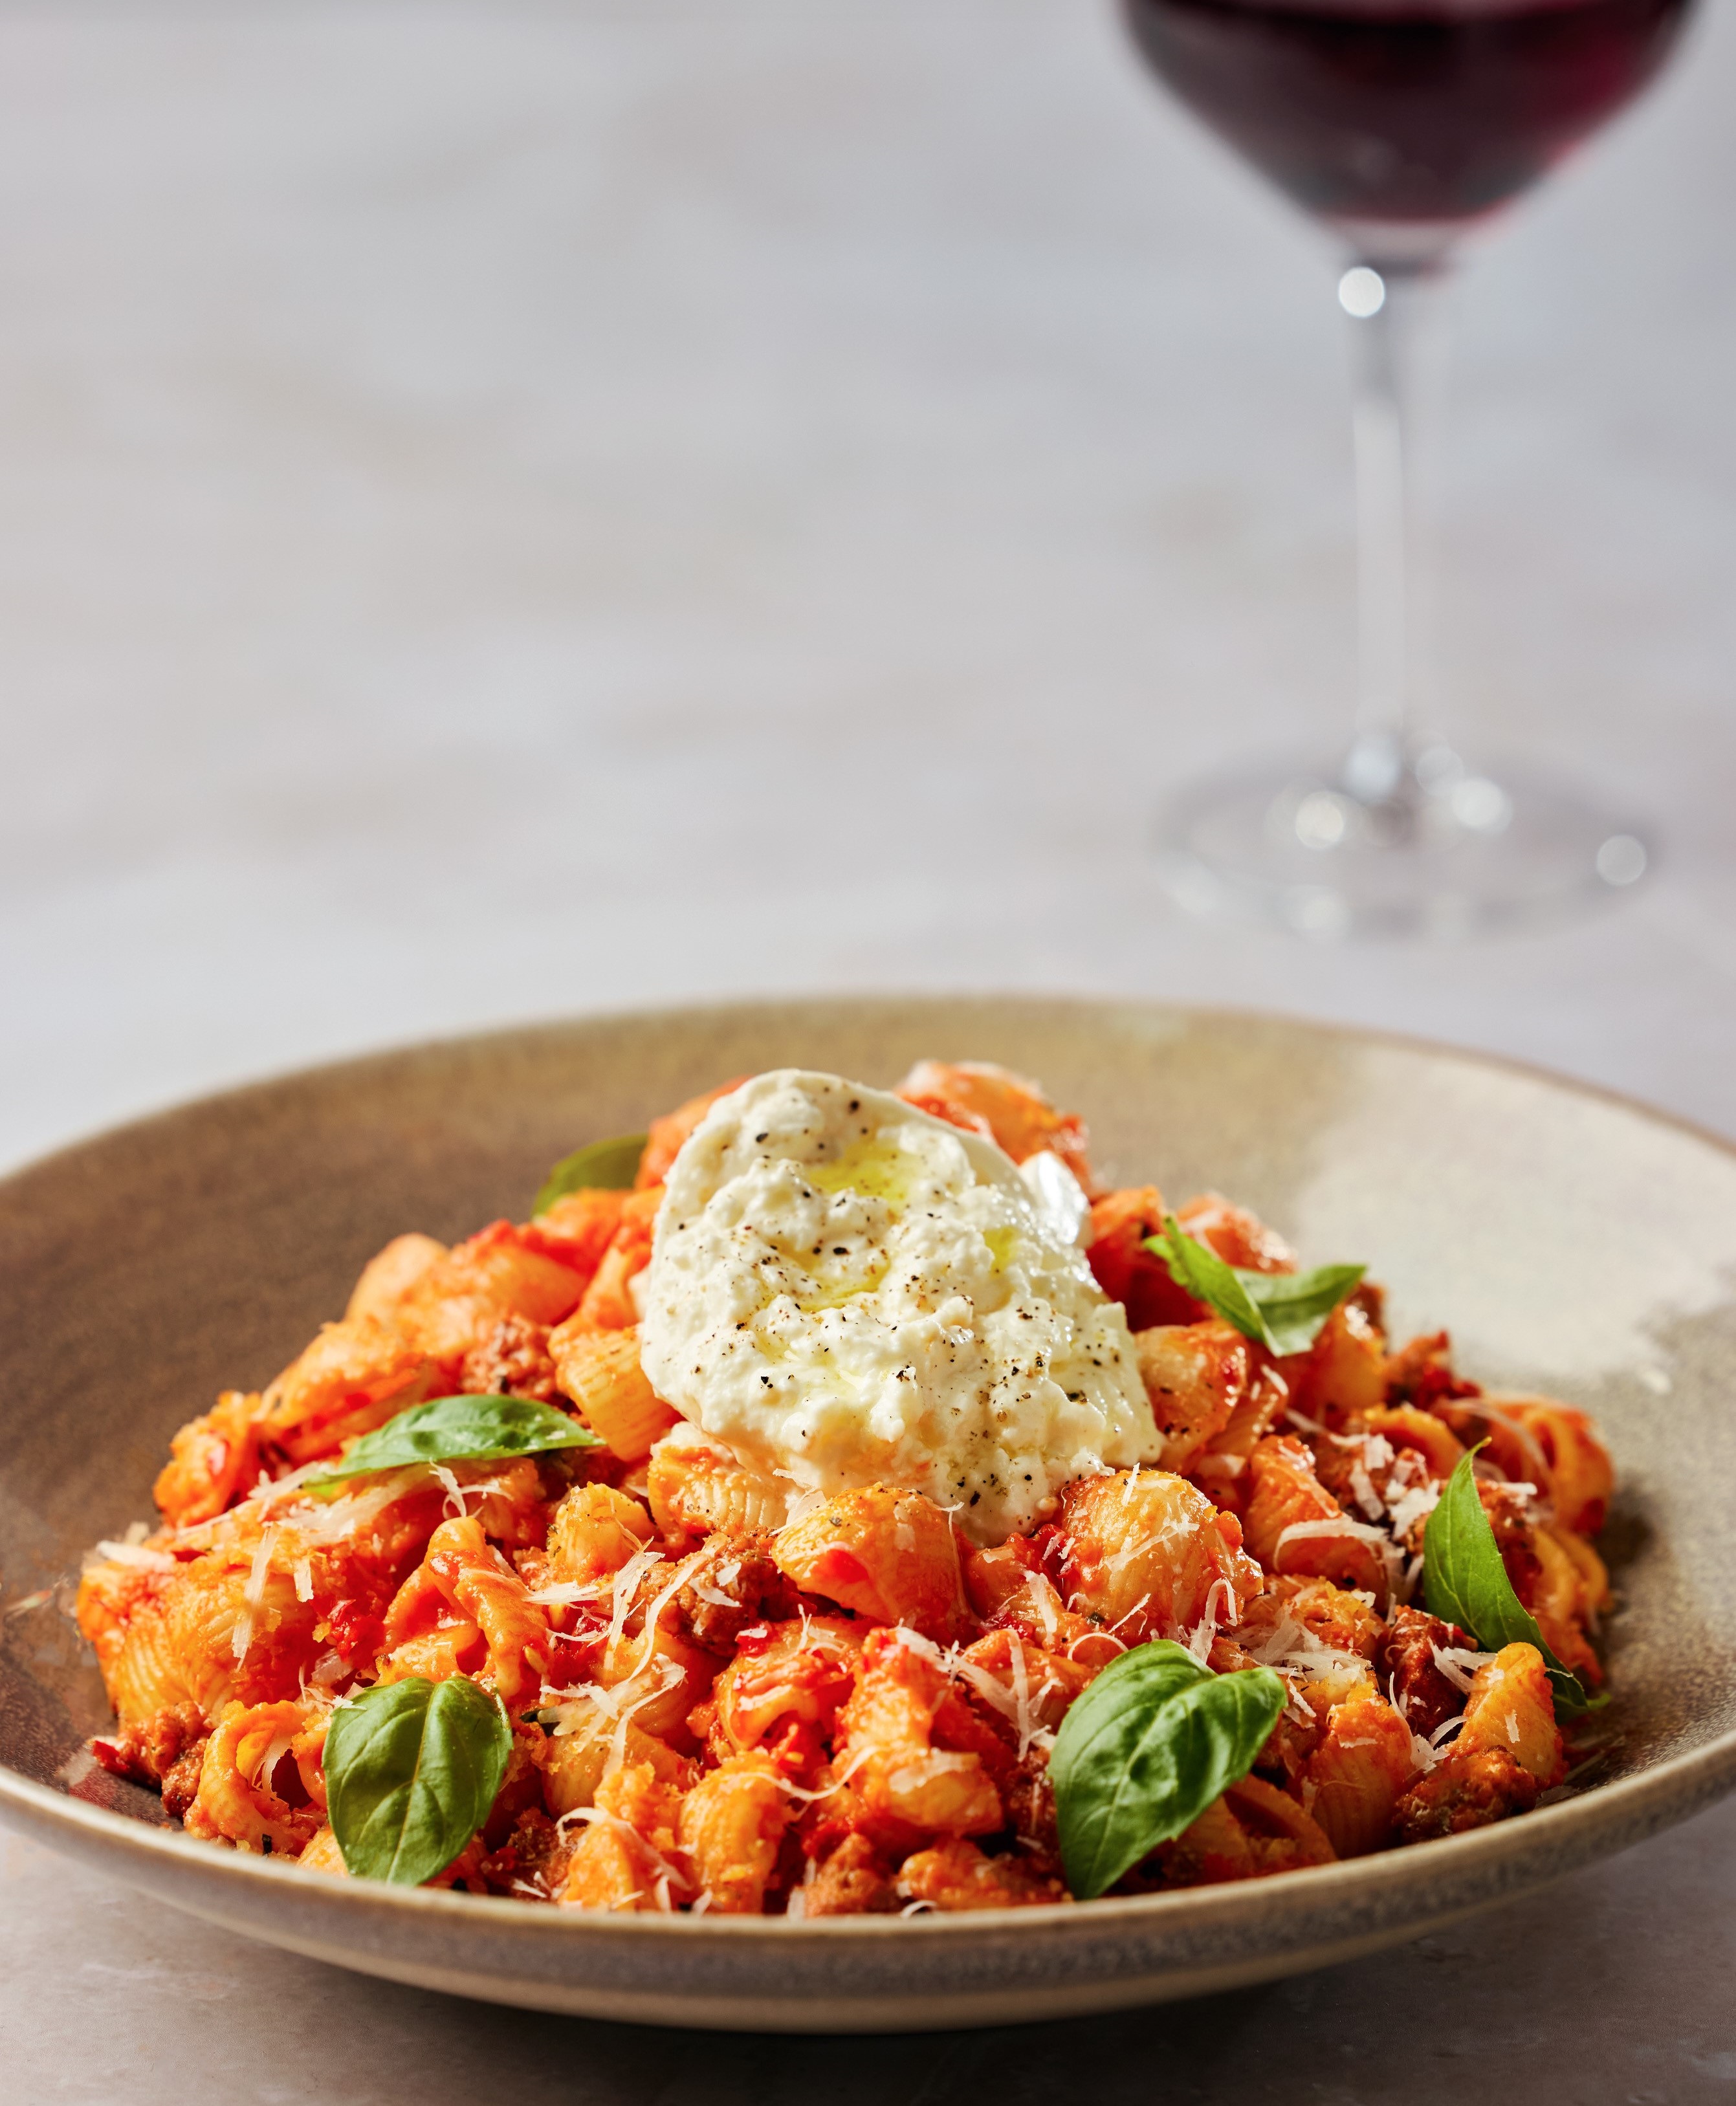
846,1290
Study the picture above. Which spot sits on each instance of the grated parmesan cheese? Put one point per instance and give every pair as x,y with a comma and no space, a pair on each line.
253,1595
649,1630
565,1593
1299,1656
1459,1663
455,1491
1017,1704
1363,1489
1342,1525
637,1567
1409,1509
613,1708
136,1555
1199,1643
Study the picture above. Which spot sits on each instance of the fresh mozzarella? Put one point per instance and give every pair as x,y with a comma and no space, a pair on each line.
847,1291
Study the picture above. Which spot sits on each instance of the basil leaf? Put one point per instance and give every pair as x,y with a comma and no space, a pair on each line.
1204,1275
460,1429
1146,1748
600,1166
1465,1582
1295,1305
411,1771
1283,1311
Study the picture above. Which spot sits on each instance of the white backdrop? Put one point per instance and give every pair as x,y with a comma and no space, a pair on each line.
511,509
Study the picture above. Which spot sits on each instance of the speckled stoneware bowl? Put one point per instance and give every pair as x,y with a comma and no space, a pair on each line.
1573,1244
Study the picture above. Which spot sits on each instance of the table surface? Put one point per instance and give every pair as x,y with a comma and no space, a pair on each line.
514,510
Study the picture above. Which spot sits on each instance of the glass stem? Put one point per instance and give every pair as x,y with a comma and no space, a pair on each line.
1387,306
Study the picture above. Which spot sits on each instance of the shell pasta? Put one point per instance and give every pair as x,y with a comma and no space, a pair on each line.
801,1530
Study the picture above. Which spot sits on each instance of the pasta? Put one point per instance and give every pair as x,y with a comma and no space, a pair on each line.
709,1686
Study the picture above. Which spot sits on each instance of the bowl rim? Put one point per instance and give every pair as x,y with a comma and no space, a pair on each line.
238,1093
1601,1821
1547,1843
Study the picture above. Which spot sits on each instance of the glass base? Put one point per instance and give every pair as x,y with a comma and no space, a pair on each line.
1383,847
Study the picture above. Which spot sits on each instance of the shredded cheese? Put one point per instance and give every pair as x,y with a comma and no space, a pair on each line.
649,1630
564,1594
1044,1605
455,1491
811,1797
253,1595
1457,1664
1140,1604
263,1769
1412,1506
1300,1657
627,1588
1015,1704
1199,1643
136,1555
1342,1525
587,1707
1363,1489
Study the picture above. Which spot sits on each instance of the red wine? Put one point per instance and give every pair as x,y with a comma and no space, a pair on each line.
1409,110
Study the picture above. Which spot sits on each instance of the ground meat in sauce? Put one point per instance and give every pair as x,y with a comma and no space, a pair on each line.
1029,1797
853,1881
1405,1664
1487,1788
1420,1373
1508,1510
537,1855
148,1753
741,1569
513,1360
180,1779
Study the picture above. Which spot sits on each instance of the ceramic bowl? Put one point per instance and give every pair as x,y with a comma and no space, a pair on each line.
1573,1243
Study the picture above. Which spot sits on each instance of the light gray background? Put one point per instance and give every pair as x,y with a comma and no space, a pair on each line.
512,509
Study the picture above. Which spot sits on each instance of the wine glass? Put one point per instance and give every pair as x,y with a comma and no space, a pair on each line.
1399,124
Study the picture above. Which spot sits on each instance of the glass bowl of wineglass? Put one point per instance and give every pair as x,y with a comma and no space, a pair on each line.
1399,125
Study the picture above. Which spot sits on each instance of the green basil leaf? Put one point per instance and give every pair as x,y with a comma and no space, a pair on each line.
412,1771
1146,1748
600,1166
460,1429
1295,1305
1283,1311
1204,1275
1465,1582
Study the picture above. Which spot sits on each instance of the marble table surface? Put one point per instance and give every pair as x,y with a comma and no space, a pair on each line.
521,508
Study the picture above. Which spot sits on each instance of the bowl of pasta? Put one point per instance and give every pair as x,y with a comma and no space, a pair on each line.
868,1514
